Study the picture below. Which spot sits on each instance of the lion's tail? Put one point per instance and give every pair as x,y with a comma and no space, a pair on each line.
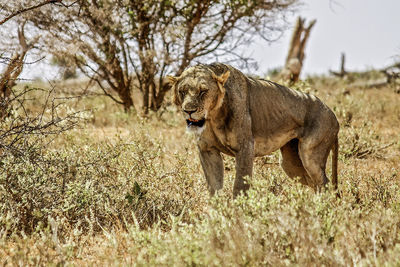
335,152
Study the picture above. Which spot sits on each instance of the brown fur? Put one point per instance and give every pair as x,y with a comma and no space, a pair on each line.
246,117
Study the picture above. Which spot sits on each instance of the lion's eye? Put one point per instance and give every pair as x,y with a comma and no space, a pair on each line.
203,93
182,94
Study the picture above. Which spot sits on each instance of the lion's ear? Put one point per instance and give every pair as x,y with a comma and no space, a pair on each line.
222,78
172,80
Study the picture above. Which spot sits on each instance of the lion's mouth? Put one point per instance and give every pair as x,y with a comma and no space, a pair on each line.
193,122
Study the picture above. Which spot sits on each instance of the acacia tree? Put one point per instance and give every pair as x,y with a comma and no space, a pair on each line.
126,43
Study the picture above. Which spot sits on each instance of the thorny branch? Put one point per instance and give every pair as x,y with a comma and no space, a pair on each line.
51,120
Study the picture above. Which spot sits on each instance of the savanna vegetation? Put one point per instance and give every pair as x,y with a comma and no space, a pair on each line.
84,181
120,189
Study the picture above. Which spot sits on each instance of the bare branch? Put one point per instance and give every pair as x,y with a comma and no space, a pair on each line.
28,9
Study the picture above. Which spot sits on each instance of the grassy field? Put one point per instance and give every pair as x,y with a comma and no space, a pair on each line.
120,189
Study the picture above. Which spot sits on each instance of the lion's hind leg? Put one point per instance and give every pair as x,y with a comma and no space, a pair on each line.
291,162
314,151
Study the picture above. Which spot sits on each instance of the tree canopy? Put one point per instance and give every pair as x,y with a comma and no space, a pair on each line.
122,44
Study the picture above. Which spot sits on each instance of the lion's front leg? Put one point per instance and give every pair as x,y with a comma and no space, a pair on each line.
213,167
244,167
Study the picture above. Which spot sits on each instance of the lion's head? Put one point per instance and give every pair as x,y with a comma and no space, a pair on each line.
198,92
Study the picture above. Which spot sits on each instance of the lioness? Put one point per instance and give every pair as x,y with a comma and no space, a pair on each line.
246,117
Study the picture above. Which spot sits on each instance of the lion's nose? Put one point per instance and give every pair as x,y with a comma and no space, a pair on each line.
189,111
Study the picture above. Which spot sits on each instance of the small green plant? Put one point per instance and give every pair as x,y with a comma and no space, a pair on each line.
363,143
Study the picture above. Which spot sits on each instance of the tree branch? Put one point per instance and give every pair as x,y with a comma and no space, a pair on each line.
28,9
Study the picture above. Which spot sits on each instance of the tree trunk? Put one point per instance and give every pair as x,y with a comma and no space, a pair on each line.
343,60
126,98
163,89
342,72
12,72
158,93
146,95
295,57
153,91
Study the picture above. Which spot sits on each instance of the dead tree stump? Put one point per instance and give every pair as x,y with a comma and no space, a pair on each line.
295,57
342,73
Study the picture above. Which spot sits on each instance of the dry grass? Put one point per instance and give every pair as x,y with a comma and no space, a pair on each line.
123,190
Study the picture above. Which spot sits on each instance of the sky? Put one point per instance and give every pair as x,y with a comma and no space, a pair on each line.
367,31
